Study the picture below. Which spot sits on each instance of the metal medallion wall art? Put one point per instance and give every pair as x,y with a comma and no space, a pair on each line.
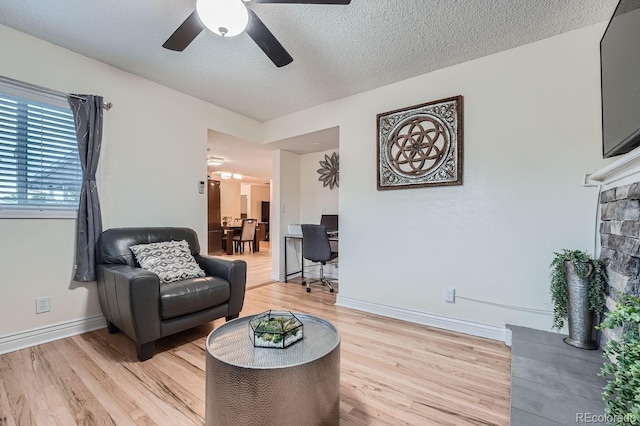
421,145
329,171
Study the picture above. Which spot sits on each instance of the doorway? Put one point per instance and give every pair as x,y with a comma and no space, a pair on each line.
214,224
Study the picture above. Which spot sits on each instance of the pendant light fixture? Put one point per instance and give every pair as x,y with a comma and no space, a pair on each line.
227,18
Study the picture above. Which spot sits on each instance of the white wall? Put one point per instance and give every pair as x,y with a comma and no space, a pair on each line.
154,147
244,204
245,193
245,188
315,199
298,198
230,198
259,193
285,208
531,129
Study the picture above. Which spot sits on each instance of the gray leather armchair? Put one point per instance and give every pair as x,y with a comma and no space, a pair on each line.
133,301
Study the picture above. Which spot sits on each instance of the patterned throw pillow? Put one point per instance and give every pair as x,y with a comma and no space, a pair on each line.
170,260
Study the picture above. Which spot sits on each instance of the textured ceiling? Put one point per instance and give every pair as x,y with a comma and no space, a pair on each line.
337,50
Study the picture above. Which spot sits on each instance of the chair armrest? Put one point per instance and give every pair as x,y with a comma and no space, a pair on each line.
130,299
234,271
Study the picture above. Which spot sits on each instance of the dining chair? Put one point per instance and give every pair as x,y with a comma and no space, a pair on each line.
247,235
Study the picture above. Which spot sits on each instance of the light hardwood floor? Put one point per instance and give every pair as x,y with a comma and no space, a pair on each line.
258,264
392,373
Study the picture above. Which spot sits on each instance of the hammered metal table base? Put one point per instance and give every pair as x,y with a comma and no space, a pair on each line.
582,345
295,386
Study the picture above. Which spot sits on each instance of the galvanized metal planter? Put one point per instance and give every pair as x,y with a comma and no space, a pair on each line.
580,317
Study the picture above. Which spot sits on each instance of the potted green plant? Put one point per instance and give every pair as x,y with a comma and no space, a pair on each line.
578,285
622,368
226,220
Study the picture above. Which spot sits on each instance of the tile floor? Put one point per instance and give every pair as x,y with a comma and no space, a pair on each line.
553,383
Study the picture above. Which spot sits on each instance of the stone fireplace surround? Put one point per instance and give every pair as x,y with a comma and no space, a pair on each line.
619,229
620,242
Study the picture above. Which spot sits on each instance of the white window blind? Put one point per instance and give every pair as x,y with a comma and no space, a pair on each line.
39,164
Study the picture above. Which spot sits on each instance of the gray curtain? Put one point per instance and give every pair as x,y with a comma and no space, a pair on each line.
87,114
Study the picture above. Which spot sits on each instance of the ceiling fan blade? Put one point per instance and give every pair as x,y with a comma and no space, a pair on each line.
267,41
184,35
305,1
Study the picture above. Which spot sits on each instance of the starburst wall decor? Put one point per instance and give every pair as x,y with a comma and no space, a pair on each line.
329,171
421,145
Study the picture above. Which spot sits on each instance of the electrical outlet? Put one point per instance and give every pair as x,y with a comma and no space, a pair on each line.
42,305
450,295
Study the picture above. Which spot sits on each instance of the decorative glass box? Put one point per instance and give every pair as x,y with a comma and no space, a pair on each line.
275,329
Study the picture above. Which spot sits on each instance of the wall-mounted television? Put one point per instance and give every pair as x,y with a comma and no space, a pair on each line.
620,79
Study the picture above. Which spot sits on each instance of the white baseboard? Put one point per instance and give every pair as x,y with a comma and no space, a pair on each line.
453,324
280,277
49,333
508,339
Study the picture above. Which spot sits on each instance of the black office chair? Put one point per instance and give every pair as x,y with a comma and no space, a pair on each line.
316,248
247,236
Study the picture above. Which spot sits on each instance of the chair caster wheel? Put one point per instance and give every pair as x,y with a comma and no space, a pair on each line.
330,290
303,283
308,290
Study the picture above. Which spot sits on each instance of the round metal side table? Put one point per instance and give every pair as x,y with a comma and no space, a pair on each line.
250,386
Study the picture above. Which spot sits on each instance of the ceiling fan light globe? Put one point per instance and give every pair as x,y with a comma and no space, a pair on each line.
226,18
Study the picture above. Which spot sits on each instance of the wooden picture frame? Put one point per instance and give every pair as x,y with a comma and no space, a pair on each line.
420,146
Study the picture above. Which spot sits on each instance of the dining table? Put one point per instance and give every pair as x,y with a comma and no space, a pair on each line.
229,231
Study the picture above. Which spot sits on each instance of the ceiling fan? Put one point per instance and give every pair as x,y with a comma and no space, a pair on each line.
228,18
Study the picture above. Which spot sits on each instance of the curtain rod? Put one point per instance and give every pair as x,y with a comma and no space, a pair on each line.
105,105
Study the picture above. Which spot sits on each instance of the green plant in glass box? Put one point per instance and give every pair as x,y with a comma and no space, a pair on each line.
275,329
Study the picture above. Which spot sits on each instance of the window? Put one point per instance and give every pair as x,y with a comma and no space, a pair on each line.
40,172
